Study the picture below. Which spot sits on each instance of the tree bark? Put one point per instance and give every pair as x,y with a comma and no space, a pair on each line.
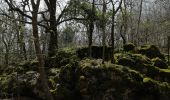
53,43
138,23
91,28
43,77
103,29
112,34
113,27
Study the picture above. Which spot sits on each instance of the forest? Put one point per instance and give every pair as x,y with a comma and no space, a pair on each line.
84,49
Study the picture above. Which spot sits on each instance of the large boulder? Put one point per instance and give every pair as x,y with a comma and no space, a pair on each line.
20,84
159,63
129,47
97,52
150,68
63,57
90,79
150,51
135,61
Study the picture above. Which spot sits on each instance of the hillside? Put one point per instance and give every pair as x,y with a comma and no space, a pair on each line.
138,73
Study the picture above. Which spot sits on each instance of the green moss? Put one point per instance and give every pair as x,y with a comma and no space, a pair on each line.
159,63
28,65
146,80
118,50
164,75
15,83
165,70
63,57
126,61
134,61
143,65
150,51
136,76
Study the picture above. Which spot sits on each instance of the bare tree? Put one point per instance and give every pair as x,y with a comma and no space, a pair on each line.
139,19
114,11
35,10
103,28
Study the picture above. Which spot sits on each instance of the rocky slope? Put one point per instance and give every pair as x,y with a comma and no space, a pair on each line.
138,73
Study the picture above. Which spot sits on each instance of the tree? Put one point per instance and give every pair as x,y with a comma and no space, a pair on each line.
91,27
35,7
103,28
39,55
68,35
114,11
53,43
124,26
139,19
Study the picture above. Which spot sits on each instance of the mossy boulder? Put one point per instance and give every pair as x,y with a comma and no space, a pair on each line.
164,75
159,90
134,61
7,85
28,83
63,57
98,81
159,63
137,62
20,84
129,47
97,52
29,65
144,65
68,77
150,51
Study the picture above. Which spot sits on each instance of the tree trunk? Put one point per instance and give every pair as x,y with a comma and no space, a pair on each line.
103,29
6,57
125,25
112,34
40,58
53,43
138,24
122,35
113,27
39,55
91,28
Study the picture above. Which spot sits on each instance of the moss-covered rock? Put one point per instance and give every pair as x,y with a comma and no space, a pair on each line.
20,84
129,47
159,63
98,81
164,75
68,77
97,52
134,76
30,65
134,61
150,51
142,64
63,57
